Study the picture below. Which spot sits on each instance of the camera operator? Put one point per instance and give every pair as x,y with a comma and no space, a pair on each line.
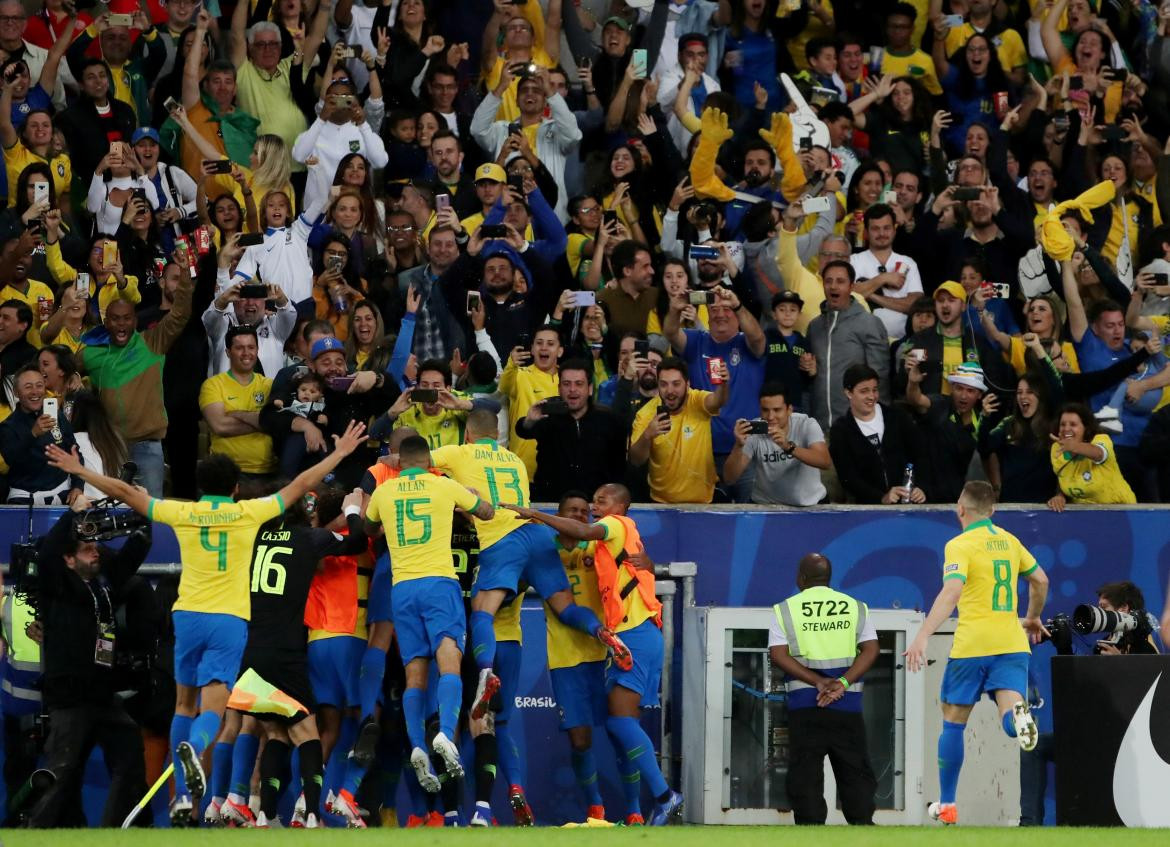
77,582
1126,598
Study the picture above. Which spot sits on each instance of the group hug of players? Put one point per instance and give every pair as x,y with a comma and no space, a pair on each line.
256,573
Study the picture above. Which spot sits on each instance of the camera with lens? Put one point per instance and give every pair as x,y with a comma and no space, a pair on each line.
1060,633
104,521
1132,627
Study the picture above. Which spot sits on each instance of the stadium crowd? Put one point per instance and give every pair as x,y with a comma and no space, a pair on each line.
781,252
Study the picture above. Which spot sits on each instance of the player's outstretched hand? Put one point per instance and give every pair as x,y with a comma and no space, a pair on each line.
58,458
351,439
522,511
916,655
1035,629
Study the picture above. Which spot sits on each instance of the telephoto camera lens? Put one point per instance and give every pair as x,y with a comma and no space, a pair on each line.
1087,619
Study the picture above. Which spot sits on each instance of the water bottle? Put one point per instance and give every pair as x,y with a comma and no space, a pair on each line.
908,482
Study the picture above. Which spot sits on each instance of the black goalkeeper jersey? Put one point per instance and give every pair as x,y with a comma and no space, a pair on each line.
465,550
284,561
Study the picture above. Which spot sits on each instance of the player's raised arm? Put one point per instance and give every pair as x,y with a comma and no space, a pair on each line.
70,463
565,526
943,608
1037,594
343,445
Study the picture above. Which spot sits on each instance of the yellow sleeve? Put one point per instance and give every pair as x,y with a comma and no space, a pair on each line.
642,420
615,534
1027,560
373,508
955,561
446,457
210,392
957,37
109,292
61,270
653,323
459,495
695,402
690,122
164,511
263,509
1013,48
508,377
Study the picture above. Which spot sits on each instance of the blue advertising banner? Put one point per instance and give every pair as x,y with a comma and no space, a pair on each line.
890,558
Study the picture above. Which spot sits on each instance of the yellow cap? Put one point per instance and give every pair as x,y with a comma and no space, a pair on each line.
492,171
952,288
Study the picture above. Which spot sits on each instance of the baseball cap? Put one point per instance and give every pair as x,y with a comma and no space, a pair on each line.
969,374
325,345
616,21
145,132
952,288
787,297
492,171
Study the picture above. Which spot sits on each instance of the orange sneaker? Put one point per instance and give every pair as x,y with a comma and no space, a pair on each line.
944,813
635,820
521,811
621,653
596,813
414,821
435,819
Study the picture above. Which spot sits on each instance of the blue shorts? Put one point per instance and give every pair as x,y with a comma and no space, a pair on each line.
507,667
580,693
645,643
378,604
334,667
529,554
208,648
427,610
966,680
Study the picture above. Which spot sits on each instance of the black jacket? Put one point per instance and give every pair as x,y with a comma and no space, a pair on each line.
28,469
868,472
88,135
582,453
67,602
947,449
997,373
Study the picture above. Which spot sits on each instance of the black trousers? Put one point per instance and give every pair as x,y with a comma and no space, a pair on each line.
813,734
73,733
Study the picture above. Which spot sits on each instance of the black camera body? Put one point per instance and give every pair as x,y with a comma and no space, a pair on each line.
102,523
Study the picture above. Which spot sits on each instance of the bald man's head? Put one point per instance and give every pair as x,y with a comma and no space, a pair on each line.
398,435
482,423
813,569
611,499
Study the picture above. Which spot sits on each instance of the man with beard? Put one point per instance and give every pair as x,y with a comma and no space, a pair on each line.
442,87
577,443
630,302
888,280
447,156
436,332
517,290
950,427
945,346
231,309
759,165
674,436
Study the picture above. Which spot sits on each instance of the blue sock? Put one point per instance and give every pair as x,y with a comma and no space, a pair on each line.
414,706
221,768
631,780
635,744
243,763
511,765
370,679
353,777
580,617
180,731
450,696
483,639
585,768
203,731
950,760
1009,725
335,769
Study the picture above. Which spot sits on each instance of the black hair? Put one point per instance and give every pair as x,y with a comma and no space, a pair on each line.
674,363
414,448
571,494
482,369
625,254
217,475
856,374
24,314
1098,308
905,10
576,365
839,263
1123,593
316,325
878,211
834,111
815,45
236,331
437,365
307,377
774,388
22,181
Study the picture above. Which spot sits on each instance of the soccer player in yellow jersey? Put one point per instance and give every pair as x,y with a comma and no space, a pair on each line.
631,608
510,549
990,652
417,509
215,535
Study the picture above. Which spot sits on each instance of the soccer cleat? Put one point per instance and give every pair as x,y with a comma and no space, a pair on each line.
453,819
299,818
434,818
192,770
421,762
262,822
236,814
211,815
1026,731
414,821
521,811
366,745
447,750
945,813
669,812
621,653
311,821
344,806
488,685
635,820
181,811
596,813
329,798
478,818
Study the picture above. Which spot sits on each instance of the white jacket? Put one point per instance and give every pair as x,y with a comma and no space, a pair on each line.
555,139
330,143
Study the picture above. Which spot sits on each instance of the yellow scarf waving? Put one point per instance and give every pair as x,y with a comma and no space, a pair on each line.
1056,241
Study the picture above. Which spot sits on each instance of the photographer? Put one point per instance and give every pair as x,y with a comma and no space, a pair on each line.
1124,598
77,583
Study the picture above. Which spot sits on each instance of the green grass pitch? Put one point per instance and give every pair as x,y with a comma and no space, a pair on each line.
683,836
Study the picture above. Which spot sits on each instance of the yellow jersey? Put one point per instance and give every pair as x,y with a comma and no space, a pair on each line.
615,541
1015,355
1086,480
1009,47
216,536
439,430
524,387
682,466
989,561
915,64
507,621
37,291
486,466
416,510
568,647
252,452
18,157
